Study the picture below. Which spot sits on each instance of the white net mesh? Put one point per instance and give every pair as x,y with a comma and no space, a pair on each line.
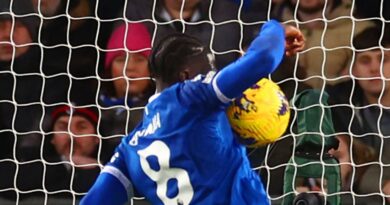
52,60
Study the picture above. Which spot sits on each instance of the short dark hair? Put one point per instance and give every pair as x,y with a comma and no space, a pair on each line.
371,37
172,54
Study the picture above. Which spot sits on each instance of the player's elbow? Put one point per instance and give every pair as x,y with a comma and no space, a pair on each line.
267,56
274,55
95,199
85,200
271,62
268,61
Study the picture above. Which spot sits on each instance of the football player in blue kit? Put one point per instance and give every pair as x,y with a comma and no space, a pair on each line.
184,151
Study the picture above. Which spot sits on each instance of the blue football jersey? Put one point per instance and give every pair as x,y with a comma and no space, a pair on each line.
184,151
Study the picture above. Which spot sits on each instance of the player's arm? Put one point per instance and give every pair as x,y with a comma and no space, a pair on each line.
112,185
106,190
262,58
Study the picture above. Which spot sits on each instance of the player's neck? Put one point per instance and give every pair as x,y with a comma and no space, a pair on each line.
161,85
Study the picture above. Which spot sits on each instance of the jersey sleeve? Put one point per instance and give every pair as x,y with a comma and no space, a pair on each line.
117,168
106,190
262,58
112,185
199,93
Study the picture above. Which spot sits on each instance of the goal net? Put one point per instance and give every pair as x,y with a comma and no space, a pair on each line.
61,92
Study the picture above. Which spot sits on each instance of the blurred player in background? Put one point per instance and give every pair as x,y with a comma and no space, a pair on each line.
184,151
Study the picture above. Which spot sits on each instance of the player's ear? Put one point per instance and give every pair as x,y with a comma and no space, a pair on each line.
184,75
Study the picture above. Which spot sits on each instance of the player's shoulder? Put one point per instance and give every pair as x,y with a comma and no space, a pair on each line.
206,79
199,82
200,92
193,86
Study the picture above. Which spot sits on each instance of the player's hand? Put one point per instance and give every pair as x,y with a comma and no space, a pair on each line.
295,41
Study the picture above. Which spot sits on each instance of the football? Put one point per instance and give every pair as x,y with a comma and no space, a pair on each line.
261,115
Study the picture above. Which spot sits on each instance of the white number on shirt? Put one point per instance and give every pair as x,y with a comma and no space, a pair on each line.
165,173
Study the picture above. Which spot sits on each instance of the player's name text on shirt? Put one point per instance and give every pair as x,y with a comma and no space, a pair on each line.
151,129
